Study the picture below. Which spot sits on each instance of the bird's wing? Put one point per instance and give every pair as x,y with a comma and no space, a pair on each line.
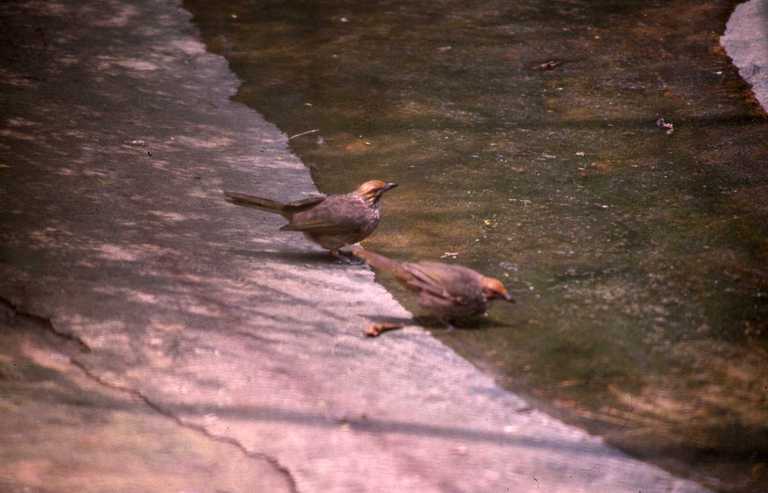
303,204
428,299
329,217
438,279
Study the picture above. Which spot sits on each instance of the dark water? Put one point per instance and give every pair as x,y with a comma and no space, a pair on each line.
639,258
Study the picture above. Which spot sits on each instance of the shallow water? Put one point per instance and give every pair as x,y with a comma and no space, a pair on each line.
638,256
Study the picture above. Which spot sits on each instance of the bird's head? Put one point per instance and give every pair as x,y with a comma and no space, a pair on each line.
494,289
372,190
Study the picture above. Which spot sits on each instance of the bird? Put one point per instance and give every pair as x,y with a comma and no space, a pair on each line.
332,221
446,291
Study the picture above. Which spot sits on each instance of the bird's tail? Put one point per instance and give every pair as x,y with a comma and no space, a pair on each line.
380,262
256,202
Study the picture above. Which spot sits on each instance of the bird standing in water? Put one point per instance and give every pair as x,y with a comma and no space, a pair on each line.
333,221
446,291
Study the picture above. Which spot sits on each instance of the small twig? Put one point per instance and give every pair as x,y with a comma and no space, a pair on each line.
304,133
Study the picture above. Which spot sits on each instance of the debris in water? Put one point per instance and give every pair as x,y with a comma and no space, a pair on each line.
548,65
665,125
449,255
314,130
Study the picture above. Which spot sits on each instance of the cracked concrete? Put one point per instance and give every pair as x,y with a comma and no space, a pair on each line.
10,313
27,327
290,481
116,141
63,430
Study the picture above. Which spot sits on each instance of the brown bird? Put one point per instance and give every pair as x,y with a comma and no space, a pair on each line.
333,221
446,291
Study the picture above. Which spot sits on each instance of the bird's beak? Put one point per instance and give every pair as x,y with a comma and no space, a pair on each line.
508,297
389,186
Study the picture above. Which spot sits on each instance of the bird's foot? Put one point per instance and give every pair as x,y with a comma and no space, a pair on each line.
376,329
346,259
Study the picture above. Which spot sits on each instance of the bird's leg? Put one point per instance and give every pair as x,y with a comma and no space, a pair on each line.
346,259
342,258
447,323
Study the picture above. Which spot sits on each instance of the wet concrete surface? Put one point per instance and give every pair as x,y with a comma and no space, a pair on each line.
235,347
